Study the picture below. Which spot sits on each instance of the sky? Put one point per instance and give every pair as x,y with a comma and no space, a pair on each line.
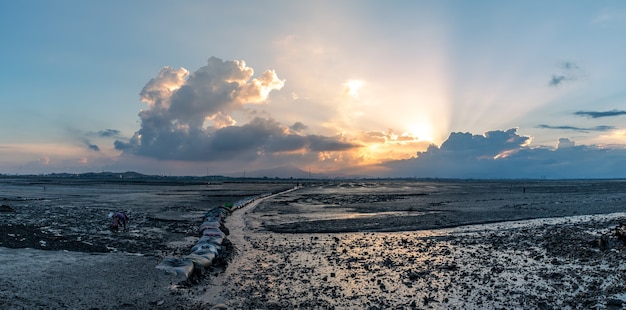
443,89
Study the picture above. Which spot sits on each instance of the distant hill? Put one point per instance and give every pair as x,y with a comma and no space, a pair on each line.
293,172
284,172
101,175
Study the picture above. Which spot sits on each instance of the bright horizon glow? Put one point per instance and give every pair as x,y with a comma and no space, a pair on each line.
422,132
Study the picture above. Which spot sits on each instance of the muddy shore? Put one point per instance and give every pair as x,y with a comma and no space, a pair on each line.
57,250
339,245
514,246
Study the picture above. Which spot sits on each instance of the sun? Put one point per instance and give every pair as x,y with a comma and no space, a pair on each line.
353,86
421,131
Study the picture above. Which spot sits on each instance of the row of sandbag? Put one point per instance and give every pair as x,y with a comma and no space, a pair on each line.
210,243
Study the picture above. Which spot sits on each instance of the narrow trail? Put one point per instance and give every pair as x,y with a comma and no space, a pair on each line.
244,255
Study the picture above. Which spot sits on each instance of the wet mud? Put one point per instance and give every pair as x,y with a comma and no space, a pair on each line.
440,245
58,251
328,245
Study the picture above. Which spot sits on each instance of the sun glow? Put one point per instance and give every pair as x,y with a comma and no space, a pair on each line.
422,132
353,86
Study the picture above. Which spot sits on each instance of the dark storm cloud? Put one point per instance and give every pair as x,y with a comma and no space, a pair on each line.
505,154
583,129
596,114
189,117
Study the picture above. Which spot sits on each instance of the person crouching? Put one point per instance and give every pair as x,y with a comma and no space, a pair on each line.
119,218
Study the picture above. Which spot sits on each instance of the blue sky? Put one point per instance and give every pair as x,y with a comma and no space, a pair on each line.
482,89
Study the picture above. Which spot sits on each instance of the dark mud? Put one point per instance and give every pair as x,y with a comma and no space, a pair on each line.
332,245
539,245
404,205
84,264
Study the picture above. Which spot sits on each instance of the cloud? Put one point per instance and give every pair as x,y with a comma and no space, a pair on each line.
91,146
505,154
298,126
177,98
565,143
328,144
108,133
569,66
556,80
583,129
491,143
569,71
596,114
190,118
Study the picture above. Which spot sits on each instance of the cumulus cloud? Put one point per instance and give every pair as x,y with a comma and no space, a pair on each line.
505,154
492,144
565,143
569,71
583,129
177,98
597,114
190,117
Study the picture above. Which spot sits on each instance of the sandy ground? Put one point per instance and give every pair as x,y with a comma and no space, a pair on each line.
347,245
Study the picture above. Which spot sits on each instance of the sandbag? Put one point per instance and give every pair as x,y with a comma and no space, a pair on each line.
209,245
209,224
216,213
204,246
211,239
201,261
177,266
215,240
213,232
203,250
206,253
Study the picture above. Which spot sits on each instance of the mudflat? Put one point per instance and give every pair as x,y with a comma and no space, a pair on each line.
57,249
436,245
402,244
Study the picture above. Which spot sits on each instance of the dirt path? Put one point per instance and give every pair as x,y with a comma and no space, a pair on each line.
245,254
